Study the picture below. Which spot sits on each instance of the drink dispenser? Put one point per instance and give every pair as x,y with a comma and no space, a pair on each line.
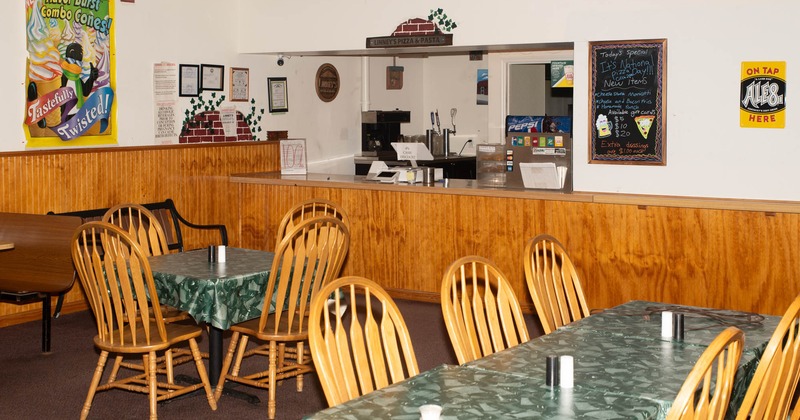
539,160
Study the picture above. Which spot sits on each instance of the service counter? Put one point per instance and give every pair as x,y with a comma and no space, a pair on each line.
736,254
453,166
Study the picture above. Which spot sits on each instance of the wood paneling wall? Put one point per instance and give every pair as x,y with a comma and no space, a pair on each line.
723,258
196,177
745,260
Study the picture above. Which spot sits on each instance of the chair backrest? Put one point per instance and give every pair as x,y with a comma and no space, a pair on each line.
370,350
553,283
118,282
141,224
314,207
480,310
771,391
706,392
311,254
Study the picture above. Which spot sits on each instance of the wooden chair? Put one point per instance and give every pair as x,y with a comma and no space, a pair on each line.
706,392
771,391
553,283
370,350
116,277
141,224
144,227
480,310
314,207
310,255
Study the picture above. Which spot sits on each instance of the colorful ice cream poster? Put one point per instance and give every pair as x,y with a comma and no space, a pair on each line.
562,74
69,74
762,93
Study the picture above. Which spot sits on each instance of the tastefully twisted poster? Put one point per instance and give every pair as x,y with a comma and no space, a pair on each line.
69,74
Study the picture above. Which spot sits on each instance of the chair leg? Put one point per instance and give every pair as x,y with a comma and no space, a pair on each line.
201,371
98,374
299,362
150,361
115,369
272,373
168,362
226,365
240,356
281,362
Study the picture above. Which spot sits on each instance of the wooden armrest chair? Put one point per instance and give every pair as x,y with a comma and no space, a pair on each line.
706,392
553,283
309,256
314,207
480,310
116,276
771,392
370,350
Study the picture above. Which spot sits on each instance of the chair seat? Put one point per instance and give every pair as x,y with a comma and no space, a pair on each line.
251,328
176,333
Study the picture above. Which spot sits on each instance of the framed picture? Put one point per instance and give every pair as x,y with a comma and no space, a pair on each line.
189,80
278,95
212,77
240,84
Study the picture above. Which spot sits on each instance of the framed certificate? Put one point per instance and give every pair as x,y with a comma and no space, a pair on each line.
240,84
278,96
189,80
212,77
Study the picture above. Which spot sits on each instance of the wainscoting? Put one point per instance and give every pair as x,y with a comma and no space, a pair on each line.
195,176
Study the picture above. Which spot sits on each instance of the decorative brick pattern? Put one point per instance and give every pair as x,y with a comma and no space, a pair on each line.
206,127
416,26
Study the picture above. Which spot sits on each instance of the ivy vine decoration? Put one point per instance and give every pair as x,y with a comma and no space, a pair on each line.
201,105
440,18
253,119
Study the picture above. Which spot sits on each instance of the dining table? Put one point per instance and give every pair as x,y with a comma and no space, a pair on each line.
218,294
622,368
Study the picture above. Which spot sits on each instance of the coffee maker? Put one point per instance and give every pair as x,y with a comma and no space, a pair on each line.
379,129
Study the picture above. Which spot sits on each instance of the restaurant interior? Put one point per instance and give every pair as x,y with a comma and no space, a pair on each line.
642,289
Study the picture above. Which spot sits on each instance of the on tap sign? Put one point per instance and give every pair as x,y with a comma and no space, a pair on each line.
763,89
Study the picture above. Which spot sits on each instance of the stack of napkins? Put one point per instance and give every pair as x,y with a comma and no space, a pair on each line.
545,175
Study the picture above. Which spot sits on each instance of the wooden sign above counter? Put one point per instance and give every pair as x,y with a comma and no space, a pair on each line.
628,102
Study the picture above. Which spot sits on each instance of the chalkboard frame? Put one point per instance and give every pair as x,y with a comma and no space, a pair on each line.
656,156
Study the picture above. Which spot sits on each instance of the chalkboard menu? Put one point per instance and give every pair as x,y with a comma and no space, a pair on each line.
628,102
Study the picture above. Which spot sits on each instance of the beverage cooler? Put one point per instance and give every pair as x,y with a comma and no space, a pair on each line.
538,152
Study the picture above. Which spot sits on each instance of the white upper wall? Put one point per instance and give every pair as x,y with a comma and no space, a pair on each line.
196,32
708,154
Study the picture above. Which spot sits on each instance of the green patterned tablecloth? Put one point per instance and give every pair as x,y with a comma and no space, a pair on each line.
620,351
219,294
465,393
642,319
623,368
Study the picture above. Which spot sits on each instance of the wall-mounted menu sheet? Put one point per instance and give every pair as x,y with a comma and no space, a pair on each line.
628,102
